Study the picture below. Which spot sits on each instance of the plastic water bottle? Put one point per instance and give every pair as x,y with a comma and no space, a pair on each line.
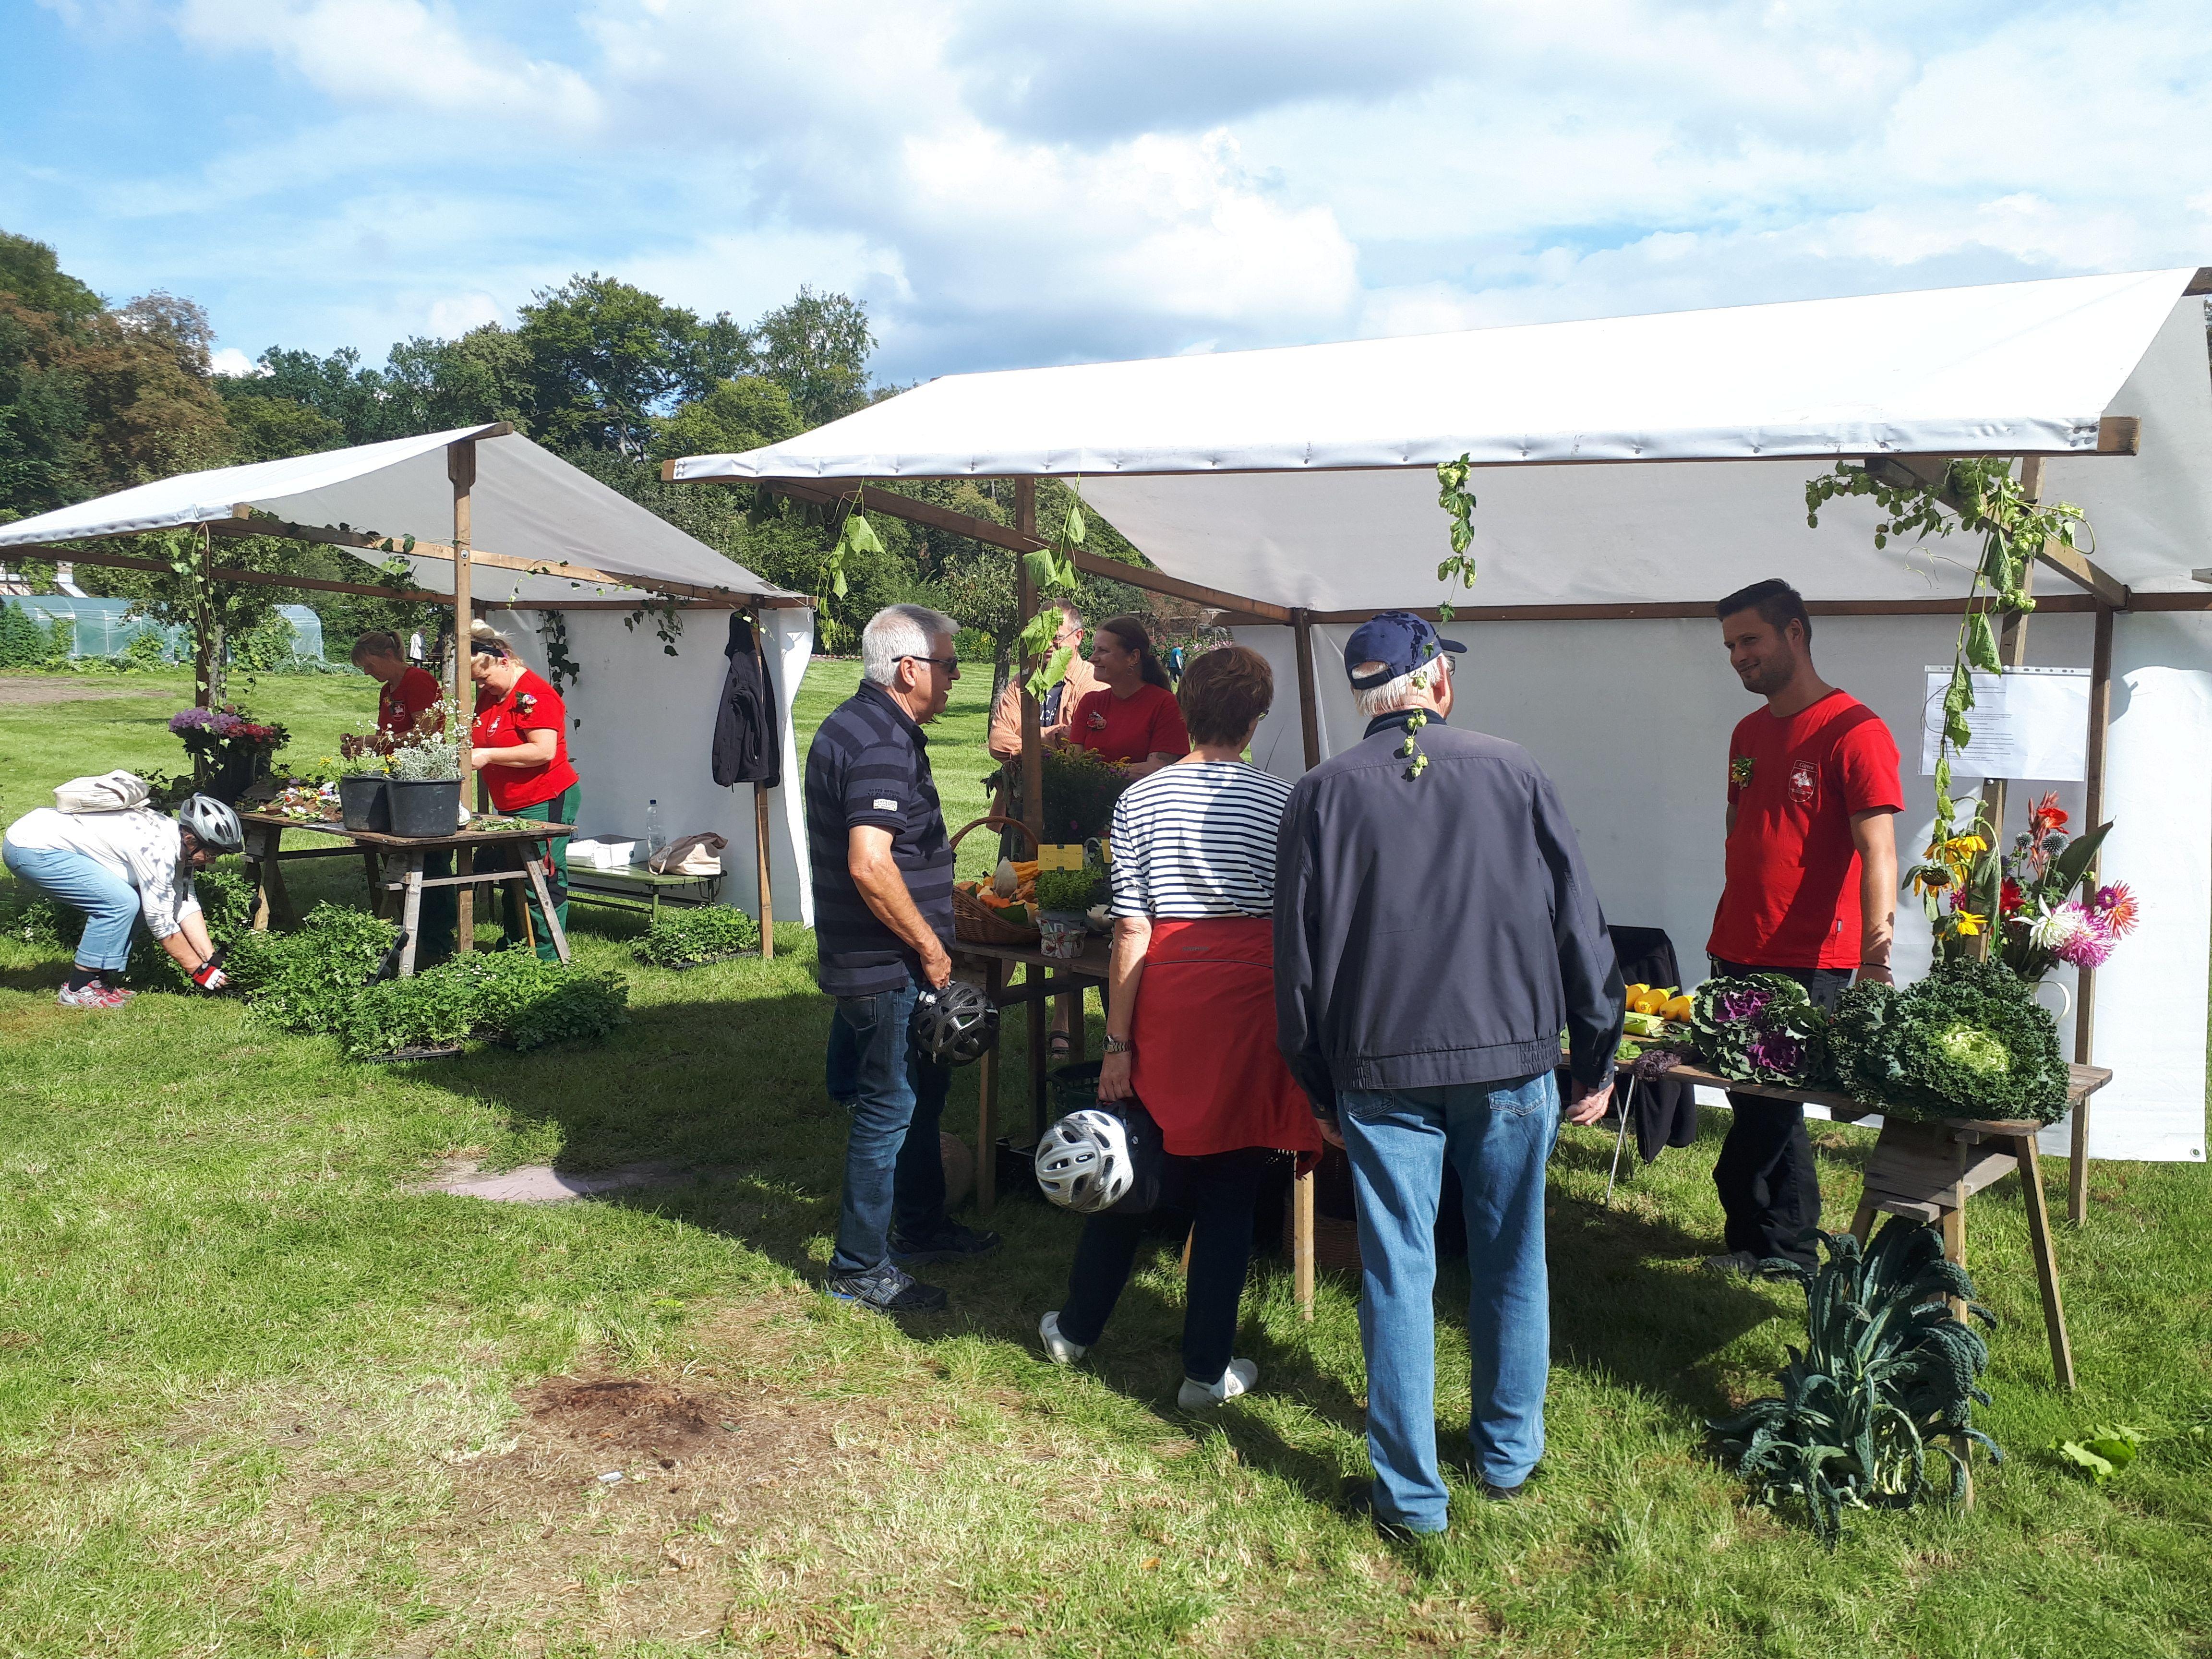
655,840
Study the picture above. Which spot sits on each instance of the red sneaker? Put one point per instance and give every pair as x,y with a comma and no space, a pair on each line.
93,996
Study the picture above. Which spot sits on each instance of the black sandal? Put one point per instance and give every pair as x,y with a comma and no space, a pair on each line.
1060,1045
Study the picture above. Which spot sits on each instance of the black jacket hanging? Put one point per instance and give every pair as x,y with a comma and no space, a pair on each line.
747,745
1666,1110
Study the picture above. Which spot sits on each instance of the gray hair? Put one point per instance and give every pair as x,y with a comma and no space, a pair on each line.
1403,692
901,630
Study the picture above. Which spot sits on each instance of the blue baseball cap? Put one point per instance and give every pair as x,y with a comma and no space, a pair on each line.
1398,640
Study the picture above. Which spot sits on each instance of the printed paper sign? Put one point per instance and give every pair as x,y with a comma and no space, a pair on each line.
2028,723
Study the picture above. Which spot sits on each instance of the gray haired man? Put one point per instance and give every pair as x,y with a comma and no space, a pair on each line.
882,918
1435,931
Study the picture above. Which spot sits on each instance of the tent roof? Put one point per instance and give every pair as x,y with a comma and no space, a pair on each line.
1302,475
526,502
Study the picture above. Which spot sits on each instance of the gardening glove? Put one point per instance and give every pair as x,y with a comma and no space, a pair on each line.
210,976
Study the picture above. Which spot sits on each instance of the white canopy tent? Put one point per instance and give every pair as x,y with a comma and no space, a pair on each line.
497,522
1637,469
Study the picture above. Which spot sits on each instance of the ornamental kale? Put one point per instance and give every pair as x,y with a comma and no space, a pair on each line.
1760,1028
1969,1041
1884,1370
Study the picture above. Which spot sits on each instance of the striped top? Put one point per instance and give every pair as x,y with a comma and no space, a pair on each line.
869,764
1198,839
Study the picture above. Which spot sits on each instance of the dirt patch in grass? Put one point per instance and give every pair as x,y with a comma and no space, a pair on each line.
20,692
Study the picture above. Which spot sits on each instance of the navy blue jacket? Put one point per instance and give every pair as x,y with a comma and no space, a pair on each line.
1436,930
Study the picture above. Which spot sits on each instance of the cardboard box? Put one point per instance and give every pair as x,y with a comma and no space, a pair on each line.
597,853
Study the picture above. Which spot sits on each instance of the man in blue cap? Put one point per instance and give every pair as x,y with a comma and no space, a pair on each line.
1435,931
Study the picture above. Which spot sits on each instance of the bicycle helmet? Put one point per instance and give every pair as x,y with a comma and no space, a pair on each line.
956,1025
213,824
1084,1163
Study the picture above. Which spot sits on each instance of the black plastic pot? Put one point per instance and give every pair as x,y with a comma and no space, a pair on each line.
231,772
362,802
424,808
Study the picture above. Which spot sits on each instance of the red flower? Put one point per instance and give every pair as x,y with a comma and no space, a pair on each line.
2046,817
2008,899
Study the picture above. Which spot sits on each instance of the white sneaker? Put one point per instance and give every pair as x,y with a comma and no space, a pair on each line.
1242,1377
1058,1348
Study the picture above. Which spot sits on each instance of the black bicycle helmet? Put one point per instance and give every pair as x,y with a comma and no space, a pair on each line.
213,824
956,1025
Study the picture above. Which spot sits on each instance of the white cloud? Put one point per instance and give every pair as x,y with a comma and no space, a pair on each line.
1004,183
235,363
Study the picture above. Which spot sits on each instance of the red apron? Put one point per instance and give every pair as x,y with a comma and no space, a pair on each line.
1206,1066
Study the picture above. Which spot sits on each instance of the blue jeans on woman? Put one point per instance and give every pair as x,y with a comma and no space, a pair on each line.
109,902
1498,1137
894,1167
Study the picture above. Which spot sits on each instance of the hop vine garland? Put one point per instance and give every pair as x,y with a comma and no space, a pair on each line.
1052,569
1981,496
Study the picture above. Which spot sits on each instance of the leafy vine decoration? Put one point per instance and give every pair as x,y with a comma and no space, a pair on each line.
1052,569
1456,568
561,669
1958,875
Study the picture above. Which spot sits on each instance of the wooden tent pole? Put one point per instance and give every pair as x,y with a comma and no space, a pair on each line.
1301,1185
205,643
762,884
461,469
1025,602
2085,990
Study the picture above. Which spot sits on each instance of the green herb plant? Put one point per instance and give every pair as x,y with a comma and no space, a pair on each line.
1052,569
1979,495
706,932
508,997
1881,1395
1080,788
1069,891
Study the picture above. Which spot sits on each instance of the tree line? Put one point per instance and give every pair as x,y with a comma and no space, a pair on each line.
95,397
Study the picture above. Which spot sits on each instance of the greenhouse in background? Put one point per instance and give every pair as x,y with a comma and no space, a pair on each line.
93,627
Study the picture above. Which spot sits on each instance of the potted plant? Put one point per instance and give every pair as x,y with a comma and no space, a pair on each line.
425,786
364,802
1062,896
230,750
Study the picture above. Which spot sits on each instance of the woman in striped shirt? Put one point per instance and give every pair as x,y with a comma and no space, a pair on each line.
1191,1027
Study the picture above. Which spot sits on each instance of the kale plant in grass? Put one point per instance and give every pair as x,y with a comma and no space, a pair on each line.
309,980
1873,1406
1968,1041
507,996
1760,1028
679,938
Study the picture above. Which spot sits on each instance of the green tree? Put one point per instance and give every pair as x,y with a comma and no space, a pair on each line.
818,347
32,272
606,358
735,416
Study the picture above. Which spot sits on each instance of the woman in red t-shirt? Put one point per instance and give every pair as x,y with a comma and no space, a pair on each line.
407,696
519,744
1131,718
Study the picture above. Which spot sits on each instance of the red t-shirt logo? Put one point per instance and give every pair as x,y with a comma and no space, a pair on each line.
1805,783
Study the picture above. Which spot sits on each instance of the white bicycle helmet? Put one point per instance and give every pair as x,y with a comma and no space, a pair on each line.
213,824
1084,1163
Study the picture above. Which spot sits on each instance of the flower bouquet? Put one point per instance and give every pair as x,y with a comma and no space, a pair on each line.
2048,910
229,750
1760,1028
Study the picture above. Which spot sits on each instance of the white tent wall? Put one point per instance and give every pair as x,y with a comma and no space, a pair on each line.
646,732
1630,720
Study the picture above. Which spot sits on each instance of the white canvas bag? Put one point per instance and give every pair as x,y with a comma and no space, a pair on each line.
112,792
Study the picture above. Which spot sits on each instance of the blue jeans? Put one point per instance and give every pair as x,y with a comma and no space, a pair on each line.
893,1166
1498,1137
841,1065
109,902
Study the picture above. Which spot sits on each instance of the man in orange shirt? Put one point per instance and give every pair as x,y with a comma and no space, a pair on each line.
1006,738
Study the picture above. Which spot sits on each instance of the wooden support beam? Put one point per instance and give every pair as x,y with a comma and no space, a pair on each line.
239,524
461,472
1926,472
1025,604
2085,573
2085,989
1308,692
1016,540
270,579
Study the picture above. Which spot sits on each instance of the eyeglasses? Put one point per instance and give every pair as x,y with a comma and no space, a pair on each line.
934,662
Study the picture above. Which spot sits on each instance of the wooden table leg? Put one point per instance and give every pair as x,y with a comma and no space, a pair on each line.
279,900
1863,1221
262,855
2046,1262
464,904
545,900
1954,1249
2077,1167
1034,981
375,880
1302,1242
411,911
986,1101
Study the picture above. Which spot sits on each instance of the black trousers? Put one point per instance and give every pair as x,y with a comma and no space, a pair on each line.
1769,1190
1220,1192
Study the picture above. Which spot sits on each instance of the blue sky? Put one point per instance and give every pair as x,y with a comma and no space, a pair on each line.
1008,182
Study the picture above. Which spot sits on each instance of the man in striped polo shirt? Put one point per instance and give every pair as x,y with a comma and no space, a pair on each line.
883,926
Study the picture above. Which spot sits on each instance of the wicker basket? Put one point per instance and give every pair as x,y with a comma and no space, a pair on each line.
977,921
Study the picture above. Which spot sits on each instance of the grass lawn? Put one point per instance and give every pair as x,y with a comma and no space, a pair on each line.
259,1395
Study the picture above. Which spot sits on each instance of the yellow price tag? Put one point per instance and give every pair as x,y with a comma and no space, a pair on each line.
1060,855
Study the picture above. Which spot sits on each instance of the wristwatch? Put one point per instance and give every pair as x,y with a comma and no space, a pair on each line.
1119,1045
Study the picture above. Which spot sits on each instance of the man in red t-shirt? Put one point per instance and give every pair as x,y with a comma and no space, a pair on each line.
1810,891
